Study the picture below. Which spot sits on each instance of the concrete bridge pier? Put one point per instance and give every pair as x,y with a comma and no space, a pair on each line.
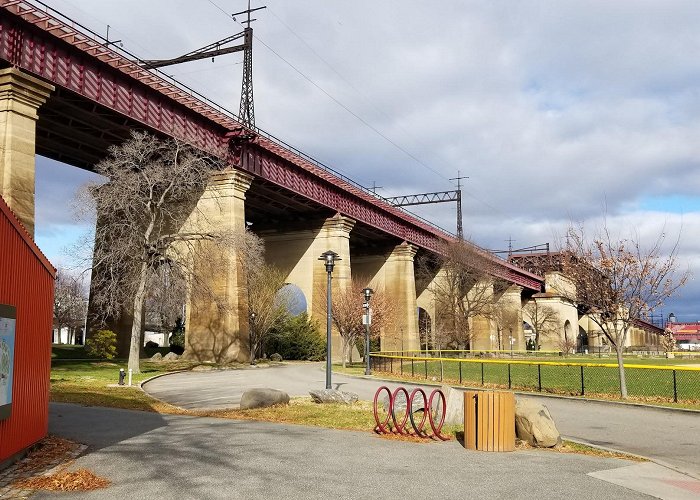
21,96
508,320
394,274
216,323
297,253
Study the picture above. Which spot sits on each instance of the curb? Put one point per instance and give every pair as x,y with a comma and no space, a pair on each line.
648,459
527,393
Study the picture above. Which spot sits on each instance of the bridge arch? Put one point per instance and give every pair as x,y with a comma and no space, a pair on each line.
297,302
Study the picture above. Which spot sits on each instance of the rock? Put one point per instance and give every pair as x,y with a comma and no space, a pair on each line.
157,357
171,356
454,414
400,404
276,357
333,396
534,424
262,398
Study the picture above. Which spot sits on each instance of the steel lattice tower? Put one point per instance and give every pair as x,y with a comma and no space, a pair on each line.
247,109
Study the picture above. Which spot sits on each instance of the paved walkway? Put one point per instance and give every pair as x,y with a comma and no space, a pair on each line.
669,437
147,455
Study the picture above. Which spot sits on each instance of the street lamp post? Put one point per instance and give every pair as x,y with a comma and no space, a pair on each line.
368,322
251,335
329,257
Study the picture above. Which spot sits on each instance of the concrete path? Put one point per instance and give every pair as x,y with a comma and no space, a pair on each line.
147,455
667,436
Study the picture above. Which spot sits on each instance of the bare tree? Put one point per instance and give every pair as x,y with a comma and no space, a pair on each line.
565,345
70,304
166,294
544,321
668,341
463,286
347,314
153,188
269,303
619,281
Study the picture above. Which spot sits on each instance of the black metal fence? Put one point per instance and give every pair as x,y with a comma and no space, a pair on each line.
650,383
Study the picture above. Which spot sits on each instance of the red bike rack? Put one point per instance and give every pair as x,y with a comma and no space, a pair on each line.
436,418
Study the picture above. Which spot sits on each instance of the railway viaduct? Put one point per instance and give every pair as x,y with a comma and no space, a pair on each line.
68,95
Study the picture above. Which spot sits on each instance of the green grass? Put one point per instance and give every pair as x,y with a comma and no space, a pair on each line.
643,385
88,382
66,351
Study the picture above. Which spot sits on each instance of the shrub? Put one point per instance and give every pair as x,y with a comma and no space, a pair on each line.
374,345
298,337
177,337
102,344
150,344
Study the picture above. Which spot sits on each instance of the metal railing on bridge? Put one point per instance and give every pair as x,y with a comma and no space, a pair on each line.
96,37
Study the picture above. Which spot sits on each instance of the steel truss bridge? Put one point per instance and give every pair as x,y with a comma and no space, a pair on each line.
103,92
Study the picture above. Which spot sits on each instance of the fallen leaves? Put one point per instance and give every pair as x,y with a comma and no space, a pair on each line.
45,468
79,480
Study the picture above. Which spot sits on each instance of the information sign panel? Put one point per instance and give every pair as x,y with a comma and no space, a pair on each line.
8,315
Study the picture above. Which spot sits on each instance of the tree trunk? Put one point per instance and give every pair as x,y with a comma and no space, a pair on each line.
621,368
135,346
344,350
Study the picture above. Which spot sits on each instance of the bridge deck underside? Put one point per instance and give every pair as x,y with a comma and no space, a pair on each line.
75,131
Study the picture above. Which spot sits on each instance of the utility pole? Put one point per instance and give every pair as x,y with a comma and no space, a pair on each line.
246,111
436,197
460,230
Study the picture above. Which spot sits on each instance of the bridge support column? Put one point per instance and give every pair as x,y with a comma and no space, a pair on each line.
508,319
216,329
394,275
21,95
297,252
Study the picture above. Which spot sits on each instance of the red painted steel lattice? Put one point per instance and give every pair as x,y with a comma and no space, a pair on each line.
38,42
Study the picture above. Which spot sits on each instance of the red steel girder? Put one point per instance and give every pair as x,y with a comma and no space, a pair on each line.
42,44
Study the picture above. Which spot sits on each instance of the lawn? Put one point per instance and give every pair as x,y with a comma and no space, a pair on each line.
655,386
92,383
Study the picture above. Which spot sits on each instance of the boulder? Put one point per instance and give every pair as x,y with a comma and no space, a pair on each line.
454,414
157,357
262,398
400,405
171,356
534,424
333,396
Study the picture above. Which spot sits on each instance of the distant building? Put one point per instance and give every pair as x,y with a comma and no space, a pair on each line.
687,335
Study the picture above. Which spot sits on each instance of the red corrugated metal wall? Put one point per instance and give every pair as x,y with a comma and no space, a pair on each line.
26,282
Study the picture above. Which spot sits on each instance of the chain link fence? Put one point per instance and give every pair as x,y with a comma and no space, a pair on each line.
647,383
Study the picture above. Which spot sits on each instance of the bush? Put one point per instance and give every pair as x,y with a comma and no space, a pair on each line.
102,344
297,338
150,344
374,345
177,338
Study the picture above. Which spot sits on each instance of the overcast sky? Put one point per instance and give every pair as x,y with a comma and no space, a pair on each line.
557,111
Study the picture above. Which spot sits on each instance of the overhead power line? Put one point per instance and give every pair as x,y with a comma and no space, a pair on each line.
335,100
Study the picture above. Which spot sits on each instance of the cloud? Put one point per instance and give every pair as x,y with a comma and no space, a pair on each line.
557,111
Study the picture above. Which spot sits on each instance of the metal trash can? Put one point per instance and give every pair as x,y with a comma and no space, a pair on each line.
489,420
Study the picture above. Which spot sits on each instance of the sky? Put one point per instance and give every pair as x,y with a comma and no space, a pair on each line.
559,112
